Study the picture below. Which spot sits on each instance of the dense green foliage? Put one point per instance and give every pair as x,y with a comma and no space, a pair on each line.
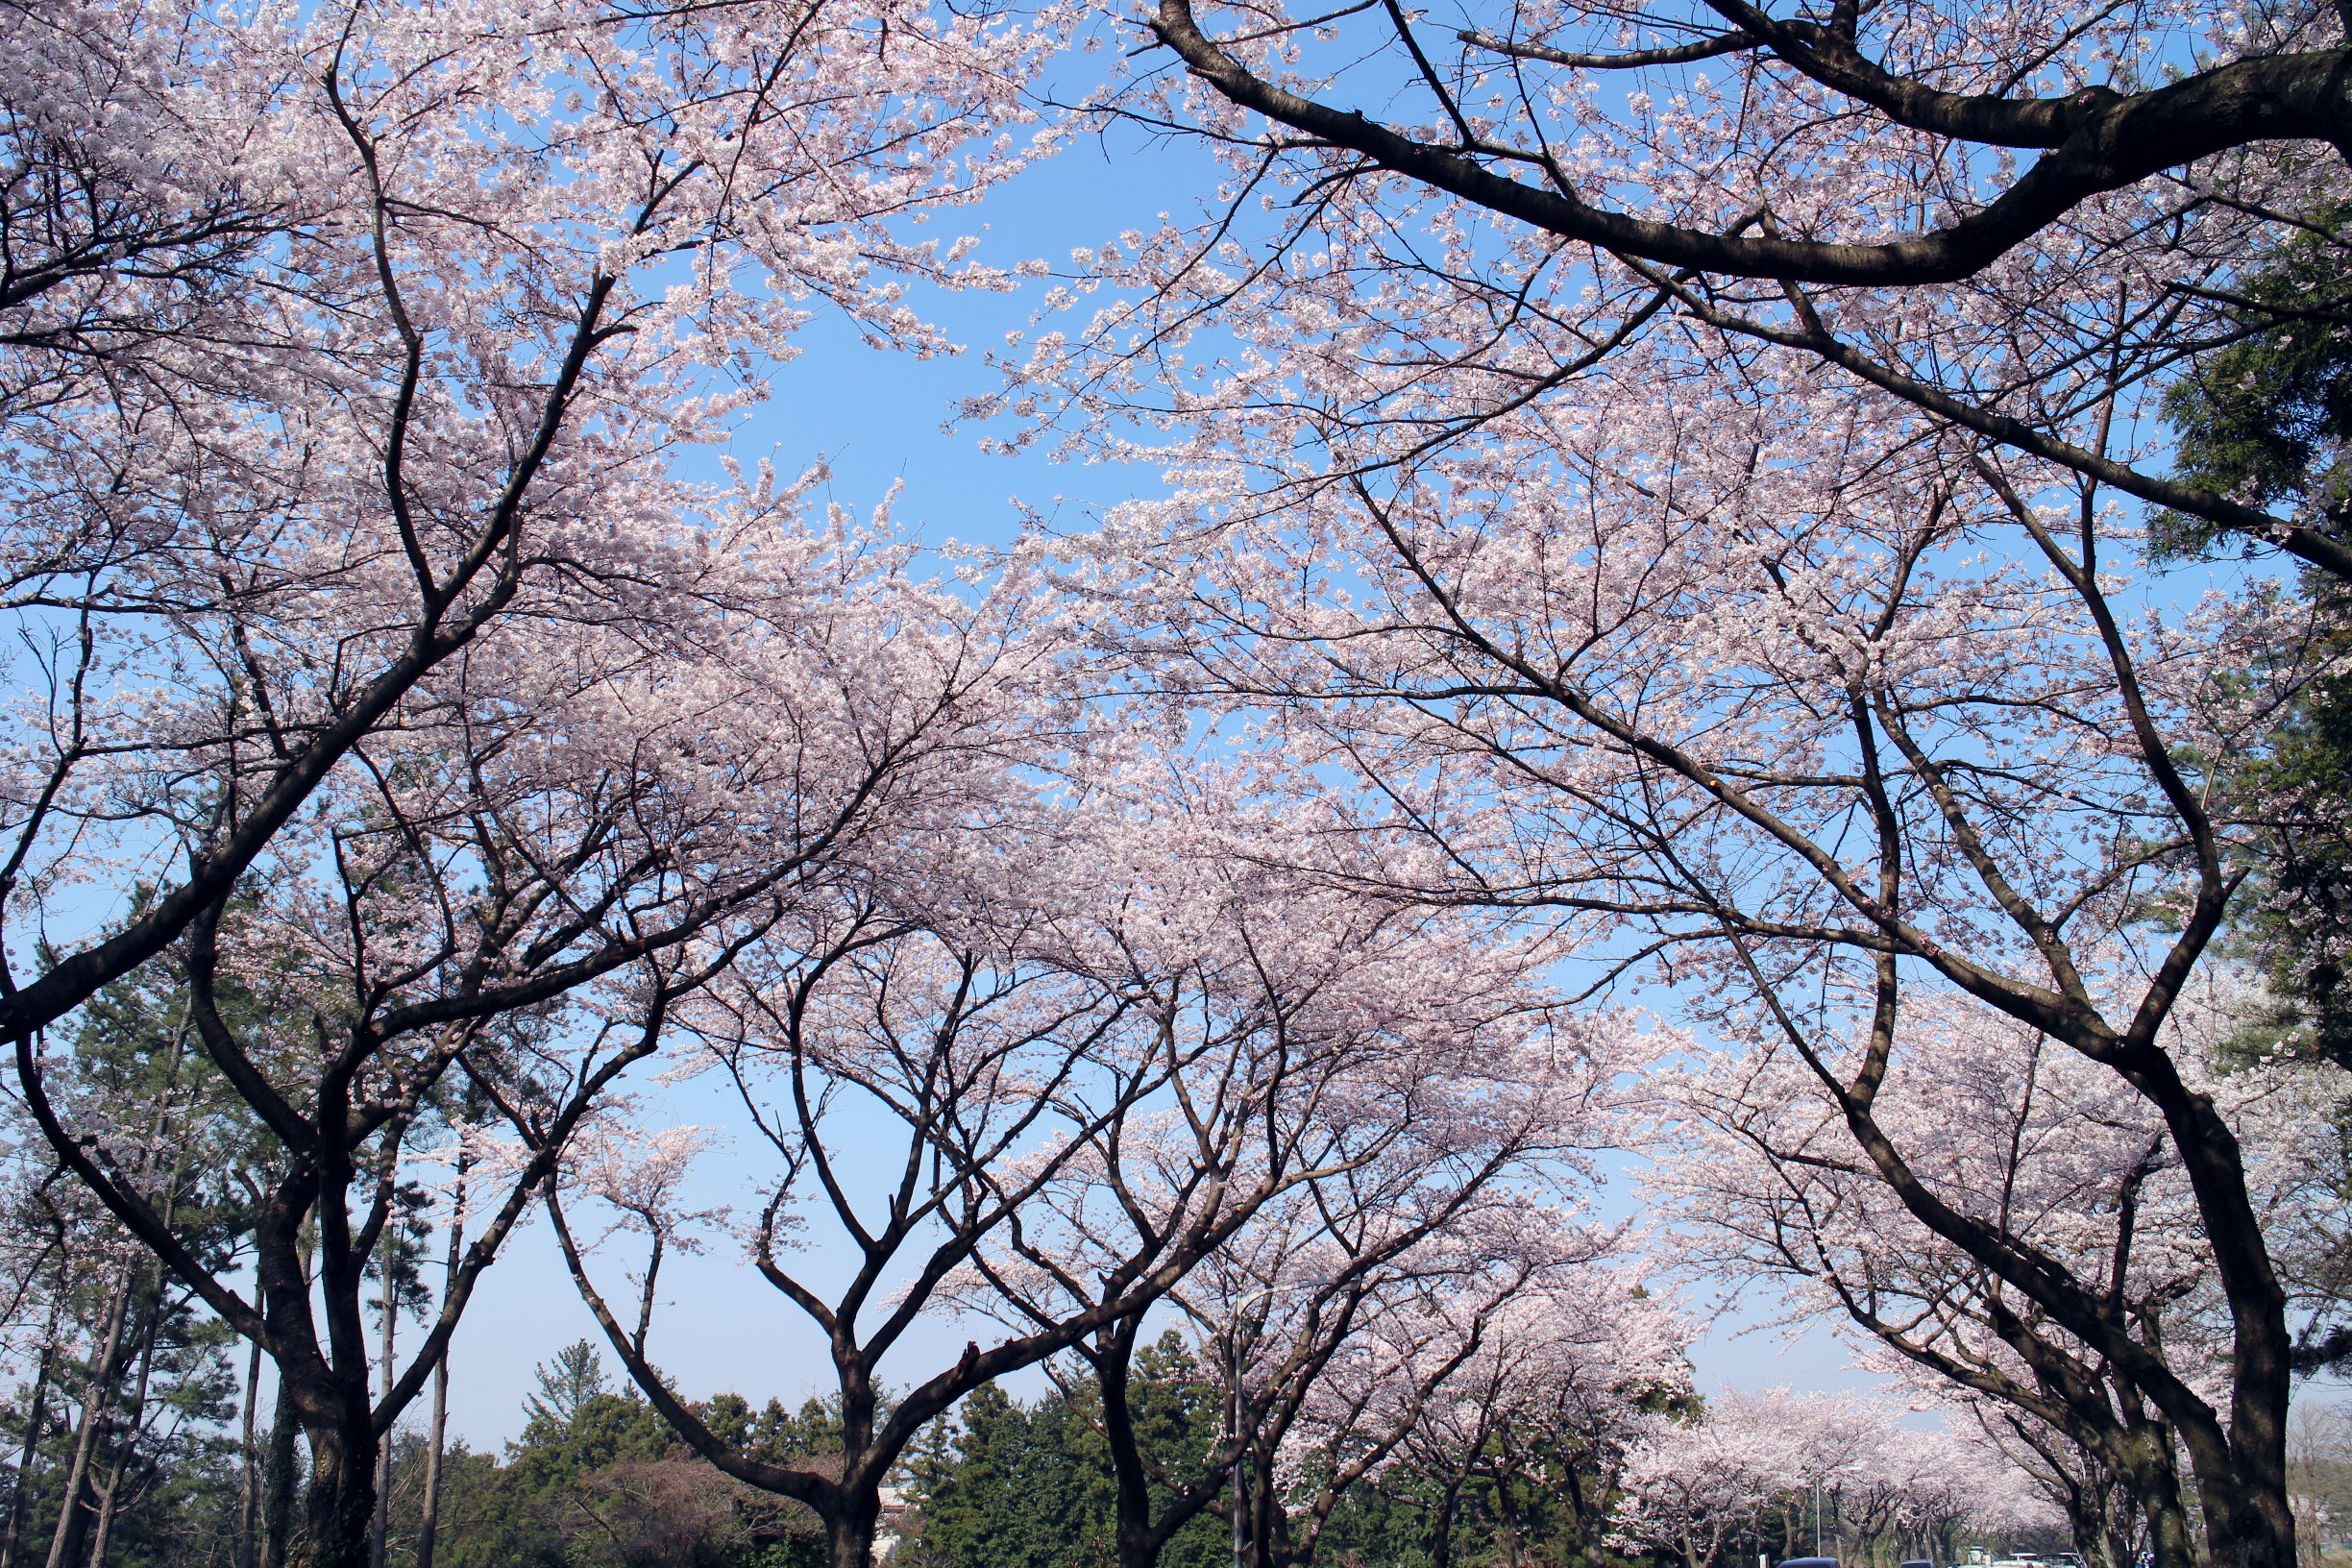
598,1481
1009,1484
1016,1486
2267,418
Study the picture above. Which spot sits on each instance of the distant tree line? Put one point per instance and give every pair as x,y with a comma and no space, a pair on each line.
597,1478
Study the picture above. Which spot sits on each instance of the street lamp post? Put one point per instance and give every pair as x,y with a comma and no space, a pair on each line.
1232,1433
1233,1418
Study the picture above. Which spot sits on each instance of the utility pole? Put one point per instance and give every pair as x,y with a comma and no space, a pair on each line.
1232,1432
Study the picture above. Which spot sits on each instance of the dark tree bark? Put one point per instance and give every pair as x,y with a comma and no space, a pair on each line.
248,1466
78,1502
279,1477
37,1415
389,1306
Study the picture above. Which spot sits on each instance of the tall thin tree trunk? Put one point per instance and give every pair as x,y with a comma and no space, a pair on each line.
428,1518
428,1508
383,1454
98,1396
137,1412
35,1417
249,1473
277,1475
277,1481
110,1500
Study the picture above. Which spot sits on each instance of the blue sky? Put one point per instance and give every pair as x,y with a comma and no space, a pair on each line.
876,415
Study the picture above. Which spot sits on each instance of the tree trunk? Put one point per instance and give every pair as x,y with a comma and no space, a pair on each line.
378,1543
2155,1481
1592,1506
249,1473
112,1500
428,1509
1138,1545
135,1416
849,1535
2084,1514
1441,1529
2118,1535
35,1416
73,1510
278,1483
1506,1530
428,1514
341,1504
2250,1517
1266,1515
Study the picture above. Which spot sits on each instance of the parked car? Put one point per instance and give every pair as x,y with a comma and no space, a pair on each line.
1808,1562
1915,1562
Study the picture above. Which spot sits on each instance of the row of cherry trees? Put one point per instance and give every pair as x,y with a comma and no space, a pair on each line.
1676,467
1668,511
436,731
385,677
1803,1475
1335,1134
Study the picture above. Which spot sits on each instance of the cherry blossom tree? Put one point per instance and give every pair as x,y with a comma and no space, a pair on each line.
1694,1487
2107,1522
1425,224
2054,1154
383,660
438,408
983,1054
1533,396
1110,1043
143,175
1679,476
1564,1382
525,914
1681,479
1337,1322
1356,1171
1797,703
1404,1357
